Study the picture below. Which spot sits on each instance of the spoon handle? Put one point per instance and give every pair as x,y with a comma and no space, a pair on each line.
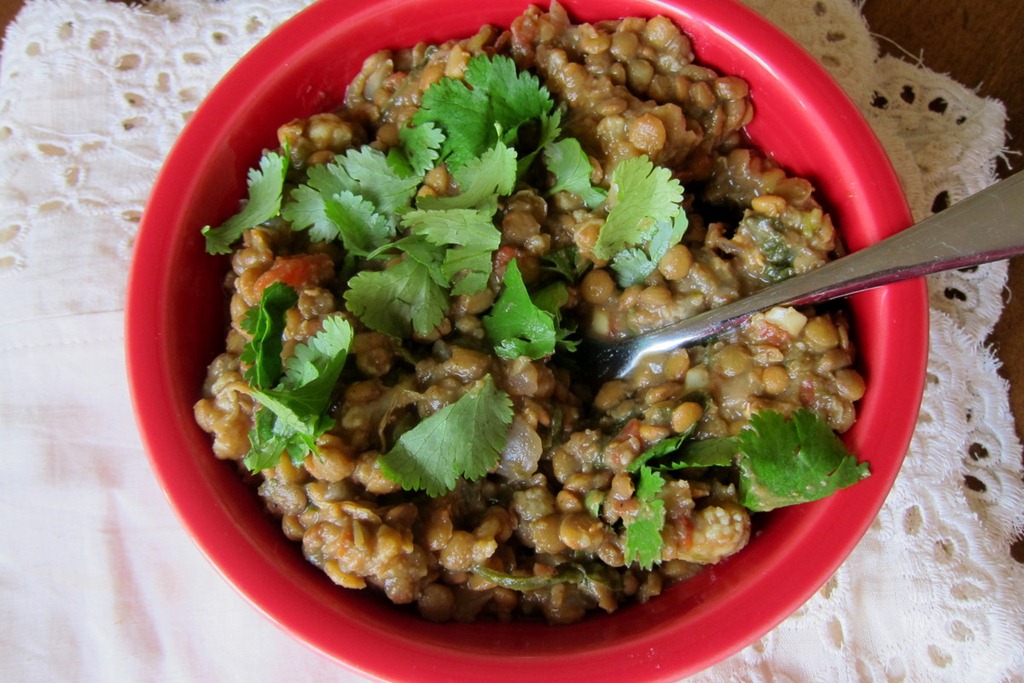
987,226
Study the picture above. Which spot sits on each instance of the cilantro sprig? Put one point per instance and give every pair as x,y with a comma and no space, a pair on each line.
294,395
523,325
644,220
786,462
481,181
266,185
495,102
567,161
357,198
265,323
409,297
778,461
463,439
418,151
465,240
634,264
643,541
446,252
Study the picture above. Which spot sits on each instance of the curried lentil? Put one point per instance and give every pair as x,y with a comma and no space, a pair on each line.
545,531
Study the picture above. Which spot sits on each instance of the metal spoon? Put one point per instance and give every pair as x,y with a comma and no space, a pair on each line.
987,226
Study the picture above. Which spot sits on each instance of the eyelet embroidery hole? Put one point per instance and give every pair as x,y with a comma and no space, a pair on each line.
912,521
128,62
134,122
51,150
9,233
99,40
938,105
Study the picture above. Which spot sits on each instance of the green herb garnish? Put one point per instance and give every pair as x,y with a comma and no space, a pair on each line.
516,326
633,265
264,202
643,532
357,197
642,196
494,102
779,461
465,240
462,439
571,167
481,181
410,297
265,323
292,414
786,462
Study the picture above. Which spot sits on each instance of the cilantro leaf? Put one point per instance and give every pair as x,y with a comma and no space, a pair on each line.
307,205
294,413
317,364
269,439
552,299
429,255
663,448
482,180
567,263
643,532
400,300
778,461
305,391
357,197
784,462
463,439
266,324
713,452
420,147
266,185
571,168
293,419
374,179
307,210
642,196
632,266
361,228
463,114
516,96
516,326
492,104
469,238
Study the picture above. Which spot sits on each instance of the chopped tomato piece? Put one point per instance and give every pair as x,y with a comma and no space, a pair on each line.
299,272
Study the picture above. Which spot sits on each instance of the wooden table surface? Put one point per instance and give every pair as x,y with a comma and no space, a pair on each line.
977,43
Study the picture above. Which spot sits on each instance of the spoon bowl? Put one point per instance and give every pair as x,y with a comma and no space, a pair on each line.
985,227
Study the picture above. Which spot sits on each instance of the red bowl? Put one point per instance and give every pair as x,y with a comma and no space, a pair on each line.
176,323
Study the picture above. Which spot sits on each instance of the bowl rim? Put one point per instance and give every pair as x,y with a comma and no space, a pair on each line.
658,658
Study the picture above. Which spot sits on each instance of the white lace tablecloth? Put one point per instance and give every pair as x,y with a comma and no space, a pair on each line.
98,582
